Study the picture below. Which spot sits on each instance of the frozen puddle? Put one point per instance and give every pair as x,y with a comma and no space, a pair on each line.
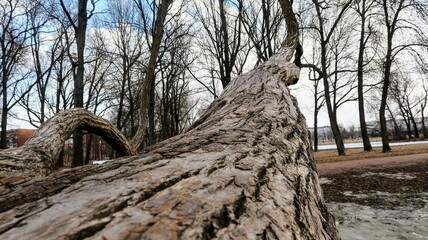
402,176
357,222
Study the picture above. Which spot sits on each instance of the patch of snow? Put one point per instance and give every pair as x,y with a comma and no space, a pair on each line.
99,162
357,195
402,176
325,180
357,222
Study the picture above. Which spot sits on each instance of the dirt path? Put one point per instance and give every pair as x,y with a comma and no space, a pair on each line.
372,163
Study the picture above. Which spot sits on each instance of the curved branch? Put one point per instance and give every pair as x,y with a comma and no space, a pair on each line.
40,153
292,39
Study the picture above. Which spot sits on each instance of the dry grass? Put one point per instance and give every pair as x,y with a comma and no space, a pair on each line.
324,156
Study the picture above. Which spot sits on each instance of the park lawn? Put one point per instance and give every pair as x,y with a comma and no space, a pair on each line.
325,156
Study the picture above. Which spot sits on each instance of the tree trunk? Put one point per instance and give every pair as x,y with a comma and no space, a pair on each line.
331,115
397,130
151,117
80,32
331,104
408,126
316,132
244,170
149,80
89,147
413,120
4,114
360,75
382,118
424,129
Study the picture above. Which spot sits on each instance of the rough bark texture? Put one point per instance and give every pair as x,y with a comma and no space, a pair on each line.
244,170
39,155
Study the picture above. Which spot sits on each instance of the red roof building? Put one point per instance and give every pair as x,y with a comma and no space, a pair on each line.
17,137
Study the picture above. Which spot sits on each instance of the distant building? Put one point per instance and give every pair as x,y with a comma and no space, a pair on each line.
17,137
324,133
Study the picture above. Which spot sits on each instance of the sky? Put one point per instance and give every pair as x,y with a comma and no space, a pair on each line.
347,113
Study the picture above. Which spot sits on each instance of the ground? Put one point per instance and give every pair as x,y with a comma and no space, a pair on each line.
382,198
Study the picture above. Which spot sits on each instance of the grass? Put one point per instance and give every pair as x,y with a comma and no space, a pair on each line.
378,190
325,156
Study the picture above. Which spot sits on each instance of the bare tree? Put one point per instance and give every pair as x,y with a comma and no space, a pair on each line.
46,48
95,82
325,30
403,92
126,30
395,22
63,74
221,20
263,21
14,35
319,100
174,90
147,92
396,90
363,9
78,22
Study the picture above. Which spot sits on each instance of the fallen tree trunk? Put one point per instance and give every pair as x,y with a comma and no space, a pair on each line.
244,170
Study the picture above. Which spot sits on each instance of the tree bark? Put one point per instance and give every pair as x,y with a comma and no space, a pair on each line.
245,170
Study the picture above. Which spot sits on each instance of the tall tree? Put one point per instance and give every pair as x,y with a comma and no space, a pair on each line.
318,96
96,84
363,8
79,26
147,92
319,102
174,91
395,21
325,29
14,35
403,92
45,47
126,29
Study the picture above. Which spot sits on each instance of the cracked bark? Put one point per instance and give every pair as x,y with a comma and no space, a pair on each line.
245,170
